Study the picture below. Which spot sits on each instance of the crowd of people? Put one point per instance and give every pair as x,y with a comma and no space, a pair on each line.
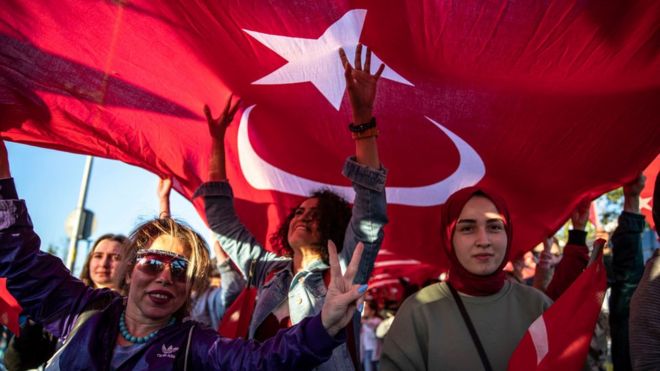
145,301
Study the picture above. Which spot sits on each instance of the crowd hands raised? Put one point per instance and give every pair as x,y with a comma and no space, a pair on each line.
144,301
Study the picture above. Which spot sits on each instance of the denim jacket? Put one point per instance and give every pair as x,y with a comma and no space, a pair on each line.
306,290
209,307
51,295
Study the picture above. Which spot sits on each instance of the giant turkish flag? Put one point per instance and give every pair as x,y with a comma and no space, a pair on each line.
544,101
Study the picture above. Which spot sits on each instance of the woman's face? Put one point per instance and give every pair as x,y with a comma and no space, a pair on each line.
479,237
158,295
103,263
304,227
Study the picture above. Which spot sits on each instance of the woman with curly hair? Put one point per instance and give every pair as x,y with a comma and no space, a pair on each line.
293,287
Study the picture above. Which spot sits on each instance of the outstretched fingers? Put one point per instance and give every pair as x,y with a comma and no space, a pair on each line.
380,71
207,113
234,109
352,268
228,105
358,57
335,270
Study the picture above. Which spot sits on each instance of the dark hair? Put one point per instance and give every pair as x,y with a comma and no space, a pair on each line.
84,274
334,214
146,233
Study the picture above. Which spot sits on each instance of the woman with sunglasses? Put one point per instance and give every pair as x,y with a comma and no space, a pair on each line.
293,287
163,261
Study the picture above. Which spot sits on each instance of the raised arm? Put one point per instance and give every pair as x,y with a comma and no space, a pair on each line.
361,86
576,253
217,129
627,270
232,282
163,191
365,171
39,281
236,240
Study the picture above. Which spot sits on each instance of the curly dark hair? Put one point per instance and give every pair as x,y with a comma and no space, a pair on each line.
334,214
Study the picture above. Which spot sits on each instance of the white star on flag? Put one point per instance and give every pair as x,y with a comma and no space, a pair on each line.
317,60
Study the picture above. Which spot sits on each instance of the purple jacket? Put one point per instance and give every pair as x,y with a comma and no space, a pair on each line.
51,295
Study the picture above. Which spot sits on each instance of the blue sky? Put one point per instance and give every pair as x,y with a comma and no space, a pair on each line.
120,195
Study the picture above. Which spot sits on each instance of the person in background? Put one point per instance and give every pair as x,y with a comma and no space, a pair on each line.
100,268
369,343
210,305
575,256
644,329
627,270
545,268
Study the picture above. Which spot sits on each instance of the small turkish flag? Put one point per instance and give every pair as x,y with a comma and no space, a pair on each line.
559,338
9,309
646,197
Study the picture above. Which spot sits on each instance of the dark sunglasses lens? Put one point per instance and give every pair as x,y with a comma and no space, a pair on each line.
179,269
151,266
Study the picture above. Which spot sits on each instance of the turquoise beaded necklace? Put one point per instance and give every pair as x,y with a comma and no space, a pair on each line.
133,339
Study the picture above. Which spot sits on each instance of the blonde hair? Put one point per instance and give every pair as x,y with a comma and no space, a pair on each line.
146,233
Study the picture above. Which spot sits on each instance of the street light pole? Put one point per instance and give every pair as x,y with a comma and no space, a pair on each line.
73,240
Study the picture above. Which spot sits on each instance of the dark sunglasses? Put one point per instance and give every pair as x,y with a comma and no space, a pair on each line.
153,262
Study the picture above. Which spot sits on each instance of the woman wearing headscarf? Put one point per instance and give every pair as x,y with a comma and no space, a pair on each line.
476,318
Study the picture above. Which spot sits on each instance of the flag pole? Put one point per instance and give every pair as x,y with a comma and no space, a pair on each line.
73,240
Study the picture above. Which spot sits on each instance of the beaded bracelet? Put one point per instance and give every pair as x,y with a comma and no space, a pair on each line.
362,127
373,132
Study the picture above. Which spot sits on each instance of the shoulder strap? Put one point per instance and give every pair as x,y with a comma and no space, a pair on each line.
471,329
186,355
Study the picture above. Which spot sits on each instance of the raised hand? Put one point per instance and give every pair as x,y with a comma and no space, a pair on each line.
580,215
342,296
598,246
631,192
361,84
163,191
218,126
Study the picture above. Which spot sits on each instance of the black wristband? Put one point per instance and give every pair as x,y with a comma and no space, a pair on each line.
360,128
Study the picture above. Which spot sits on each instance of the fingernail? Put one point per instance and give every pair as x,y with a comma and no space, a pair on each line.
363,288
359,308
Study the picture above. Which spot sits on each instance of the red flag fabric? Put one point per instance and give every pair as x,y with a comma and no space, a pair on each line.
646,197
9,309
236,320
527,98
559,339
